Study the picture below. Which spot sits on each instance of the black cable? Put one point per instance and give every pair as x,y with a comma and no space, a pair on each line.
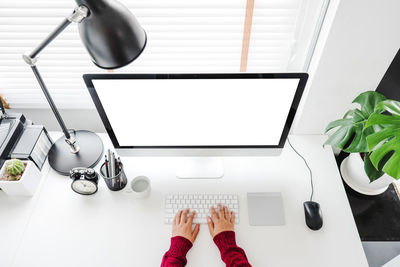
311,177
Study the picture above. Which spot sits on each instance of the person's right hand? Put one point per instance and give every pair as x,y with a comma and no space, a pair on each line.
221,221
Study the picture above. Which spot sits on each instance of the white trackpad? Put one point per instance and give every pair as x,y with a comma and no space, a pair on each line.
265,208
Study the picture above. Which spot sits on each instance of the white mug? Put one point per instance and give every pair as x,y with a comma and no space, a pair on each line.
140,186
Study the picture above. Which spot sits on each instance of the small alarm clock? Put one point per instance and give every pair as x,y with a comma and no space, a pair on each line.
85,181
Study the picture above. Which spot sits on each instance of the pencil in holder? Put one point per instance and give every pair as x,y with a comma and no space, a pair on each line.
117,182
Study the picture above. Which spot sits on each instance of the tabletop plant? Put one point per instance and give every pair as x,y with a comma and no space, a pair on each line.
385,143
14,170
374,135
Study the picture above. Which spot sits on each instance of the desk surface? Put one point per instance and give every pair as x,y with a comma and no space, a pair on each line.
58,227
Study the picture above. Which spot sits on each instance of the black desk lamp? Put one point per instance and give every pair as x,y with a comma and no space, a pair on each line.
113,38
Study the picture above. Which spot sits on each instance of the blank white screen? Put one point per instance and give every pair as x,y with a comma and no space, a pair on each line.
197,112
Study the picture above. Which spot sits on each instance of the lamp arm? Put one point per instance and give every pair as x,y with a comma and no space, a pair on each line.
78,15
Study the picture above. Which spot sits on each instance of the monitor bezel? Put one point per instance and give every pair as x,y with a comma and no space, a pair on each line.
88,78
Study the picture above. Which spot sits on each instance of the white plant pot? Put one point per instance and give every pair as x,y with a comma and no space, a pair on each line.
26,186
352,169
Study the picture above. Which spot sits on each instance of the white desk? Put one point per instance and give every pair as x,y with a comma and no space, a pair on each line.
58,227
15,213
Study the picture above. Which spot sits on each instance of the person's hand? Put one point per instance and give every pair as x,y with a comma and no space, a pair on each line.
182,225
221,221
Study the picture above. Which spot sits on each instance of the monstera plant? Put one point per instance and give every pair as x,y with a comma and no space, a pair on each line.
351,134
372,131
385,143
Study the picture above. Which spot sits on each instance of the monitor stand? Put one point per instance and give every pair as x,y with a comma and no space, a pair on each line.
200,168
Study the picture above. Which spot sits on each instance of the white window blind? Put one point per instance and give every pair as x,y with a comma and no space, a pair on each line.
183,36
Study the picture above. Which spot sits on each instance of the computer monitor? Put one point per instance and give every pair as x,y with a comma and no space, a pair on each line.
197,115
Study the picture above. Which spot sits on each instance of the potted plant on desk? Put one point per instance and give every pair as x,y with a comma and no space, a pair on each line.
373,141
384,144
19,178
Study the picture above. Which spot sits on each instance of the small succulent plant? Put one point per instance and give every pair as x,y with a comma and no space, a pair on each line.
15,168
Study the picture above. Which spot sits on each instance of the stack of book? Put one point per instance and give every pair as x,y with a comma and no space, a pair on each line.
11,128
33,145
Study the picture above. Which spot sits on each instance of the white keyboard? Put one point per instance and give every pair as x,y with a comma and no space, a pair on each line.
201,203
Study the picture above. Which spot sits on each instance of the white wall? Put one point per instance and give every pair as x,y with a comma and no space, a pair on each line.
363,39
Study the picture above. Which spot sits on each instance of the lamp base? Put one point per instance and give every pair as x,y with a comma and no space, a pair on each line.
62,160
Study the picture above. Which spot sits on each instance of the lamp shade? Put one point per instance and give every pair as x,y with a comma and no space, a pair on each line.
111,34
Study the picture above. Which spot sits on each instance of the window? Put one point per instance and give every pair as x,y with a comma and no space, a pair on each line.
183,36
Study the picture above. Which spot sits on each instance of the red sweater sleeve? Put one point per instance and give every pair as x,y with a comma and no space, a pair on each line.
231,254
176,255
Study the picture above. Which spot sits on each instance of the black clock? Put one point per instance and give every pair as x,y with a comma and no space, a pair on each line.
85,181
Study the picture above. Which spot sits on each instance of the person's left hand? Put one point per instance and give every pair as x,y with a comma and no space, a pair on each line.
182,225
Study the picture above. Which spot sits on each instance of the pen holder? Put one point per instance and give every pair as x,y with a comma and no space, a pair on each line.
116,182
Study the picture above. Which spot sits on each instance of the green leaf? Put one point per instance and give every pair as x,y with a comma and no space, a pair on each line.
349,113
351,135
391,106
336,123
384,120
343,134
372,173
375,139
385,142
368,101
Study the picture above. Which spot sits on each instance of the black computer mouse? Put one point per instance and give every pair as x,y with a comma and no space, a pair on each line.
313,214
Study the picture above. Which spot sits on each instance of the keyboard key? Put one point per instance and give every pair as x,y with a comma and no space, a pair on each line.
200,203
